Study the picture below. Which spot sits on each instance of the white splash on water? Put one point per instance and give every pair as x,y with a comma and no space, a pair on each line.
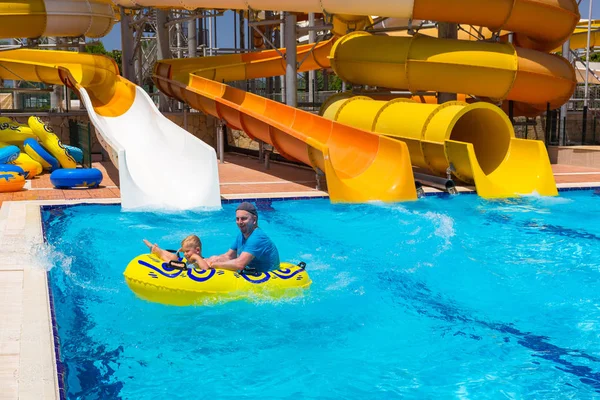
444,228
45,256
341,280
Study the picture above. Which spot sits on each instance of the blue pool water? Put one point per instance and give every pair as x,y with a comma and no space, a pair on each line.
441,298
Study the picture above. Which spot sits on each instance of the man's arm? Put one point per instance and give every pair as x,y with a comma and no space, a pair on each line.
230,255
236,264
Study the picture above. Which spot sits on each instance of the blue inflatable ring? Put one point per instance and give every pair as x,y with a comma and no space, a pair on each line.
42,153
76,177
8,154
74,152
13,168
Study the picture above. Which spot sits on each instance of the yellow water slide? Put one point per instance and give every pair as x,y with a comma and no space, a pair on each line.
492,158
476,143
36,18
111,94
473,141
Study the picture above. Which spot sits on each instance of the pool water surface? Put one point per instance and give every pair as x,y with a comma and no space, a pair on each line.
453,297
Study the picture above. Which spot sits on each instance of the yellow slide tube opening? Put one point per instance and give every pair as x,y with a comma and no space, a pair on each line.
426,127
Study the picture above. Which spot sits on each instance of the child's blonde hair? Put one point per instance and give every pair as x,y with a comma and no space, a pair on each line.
193,240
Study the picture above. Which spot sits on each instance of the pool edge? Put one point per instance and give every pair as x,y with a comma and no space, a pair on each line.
35,366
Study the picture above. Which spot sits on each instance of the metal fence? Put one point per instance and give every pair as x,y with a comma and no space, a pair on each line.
80,135
577,129
259,87
580,127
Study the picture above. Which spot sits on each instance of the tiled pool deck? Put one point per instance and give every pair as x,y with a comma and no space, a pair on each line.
27,356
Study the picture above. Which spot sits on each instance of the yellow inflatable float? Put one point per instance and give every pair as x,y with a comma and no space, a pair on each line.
28,164
12,122
51,142
14,133
174,283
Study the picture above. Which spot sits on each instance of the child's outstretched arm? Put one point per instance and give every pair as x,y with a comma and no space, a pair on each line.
163,254
199,261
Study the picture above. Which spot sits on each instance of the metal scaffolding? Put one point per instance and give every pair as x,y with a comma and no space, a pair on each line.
149,35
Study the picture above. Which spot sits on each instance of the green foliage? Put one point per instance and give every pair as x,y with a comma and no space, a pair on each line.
117,55
594,57
335,83
97,47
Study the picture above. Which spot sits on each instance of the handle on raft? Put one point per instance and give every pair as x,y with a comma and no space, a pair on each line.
178,265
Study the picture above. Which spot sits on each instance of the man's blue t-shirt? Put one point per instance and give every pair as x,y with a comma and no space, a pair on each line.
266,256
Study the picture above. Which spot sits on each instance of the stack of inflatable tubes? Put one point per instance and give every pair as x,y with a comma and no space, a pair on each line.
51,143
15,165
40,149
14,134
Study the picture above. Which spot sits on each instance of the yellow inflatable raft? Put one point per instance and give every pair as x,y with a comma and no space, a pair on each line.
14,133
11,121
51,142
27,163
175,284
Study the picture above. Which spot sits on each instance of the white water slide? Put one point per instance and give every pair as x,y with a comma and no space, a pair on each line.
161,165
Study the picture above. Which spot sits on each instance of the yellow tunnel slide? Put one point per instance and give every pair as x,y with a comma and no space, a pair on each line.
455,135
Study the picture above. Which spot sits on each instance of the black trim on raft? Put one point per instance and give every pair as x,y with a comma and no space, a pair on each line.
280,273
163,273
247,277
178,265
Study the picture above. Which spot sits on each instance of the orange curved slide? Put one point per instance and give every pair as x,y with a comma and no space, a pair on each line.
236,67
538,24
359,166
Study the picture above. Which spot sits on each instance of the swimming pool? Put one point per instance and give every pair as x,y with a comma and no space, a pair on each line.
453,297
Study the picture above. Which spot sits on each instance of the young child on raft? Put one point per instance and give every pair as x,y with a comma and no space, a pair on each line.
191,247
